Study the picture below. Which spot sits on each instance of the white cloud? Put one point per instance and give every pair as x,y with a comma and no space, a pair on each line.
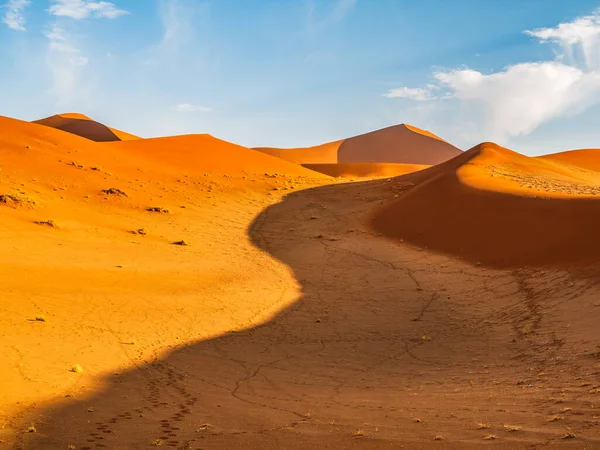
65,63
82,9
189,108
418,94
518,99
14,17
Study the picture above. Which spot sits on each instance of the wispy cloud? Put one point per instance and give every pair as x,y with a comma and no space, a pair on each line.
14,17
189,108
83,9
336,12
418,94
518,99
65,63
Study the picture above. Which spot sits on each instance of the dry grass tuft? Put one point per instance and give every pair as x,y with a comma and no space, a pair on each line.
40,318
157,209
77,369
32,429
569,435
481,426
114,191
512,428
490,437
157,442
358,433
555,418
182,242
48,223
437,438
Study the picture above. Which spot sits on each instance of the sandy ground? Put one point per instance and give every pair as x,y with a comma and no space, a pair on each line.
287,322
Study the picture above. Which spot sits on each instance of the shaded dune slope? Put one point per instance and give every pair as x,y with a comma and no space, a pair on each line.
496,207
83,126
402,144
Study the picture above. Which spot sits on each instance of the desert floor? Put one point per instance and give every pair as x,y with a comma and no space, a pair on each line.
287,322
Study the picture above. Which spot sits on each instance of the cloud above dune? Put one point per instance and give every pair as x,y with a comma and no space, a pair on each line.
14,16
189,108
65,63
518,99
83,9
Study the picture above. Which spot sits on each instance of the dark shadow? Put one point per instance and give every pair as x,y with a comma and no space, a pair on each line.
386,345
88,129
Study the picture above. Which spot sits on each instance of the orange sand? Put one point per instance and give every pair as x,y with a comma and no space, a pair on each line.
497,207
285,323
365,170
85,127
401,144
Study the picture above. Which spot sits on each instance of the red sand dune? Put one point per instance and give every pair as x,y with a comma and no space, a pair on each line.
402,144
497,207
365,169
85,127
584,158
205,153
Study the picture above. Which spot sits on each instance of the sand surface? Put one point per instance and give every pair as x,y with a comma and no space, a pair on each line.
85,127
365,170
302,313
401,144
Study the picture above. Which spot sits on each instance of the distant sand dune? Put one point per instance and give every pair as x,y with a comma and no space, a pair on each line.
403,144
85,127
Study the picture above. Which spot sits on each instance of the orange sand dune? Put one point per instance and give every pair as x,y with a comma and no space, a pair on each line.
494,206
584,158
402,144
365,170
176,293
83,126
205,153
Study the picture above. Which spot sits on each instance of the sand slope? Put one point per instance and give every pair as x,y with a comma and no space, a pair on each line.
497,207
365,170
83,126
205,153
402,144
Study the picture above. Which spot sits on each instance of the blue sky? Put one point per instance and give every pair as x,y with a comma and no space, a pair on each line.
524,73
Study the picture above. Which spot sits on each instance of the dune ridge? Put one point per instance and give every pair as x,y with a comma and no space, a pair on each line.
84,126
403,144
496,207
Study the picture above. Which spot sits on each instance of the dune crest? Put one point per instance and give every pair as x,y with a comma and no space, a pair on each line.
84,126
496,207
402,144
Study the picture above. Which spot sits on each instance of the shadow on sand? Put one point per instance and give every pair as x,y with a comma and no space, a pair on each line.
382,335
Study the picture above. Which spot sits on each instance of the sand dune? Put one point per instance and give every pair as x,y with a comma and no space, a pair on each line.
205,153
365,170
83,126
403,144
494,206
217,297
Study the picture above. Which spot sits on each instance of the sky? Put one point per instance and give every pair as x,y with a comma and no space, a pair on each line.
289,73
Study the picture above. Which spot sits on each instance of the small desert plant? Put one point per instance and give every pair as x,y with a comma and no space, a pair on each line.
114,191
157,442
40,318
32,429
182,242
48,223
157,209
437,438
77,369
511,428
569,435
490,437
481,426
359,433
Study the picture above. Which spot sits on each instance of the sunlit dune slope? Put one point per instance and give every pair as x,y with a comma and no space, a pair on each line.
204,152
588,159
365,169
83,126
496,207
403,144
90,230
